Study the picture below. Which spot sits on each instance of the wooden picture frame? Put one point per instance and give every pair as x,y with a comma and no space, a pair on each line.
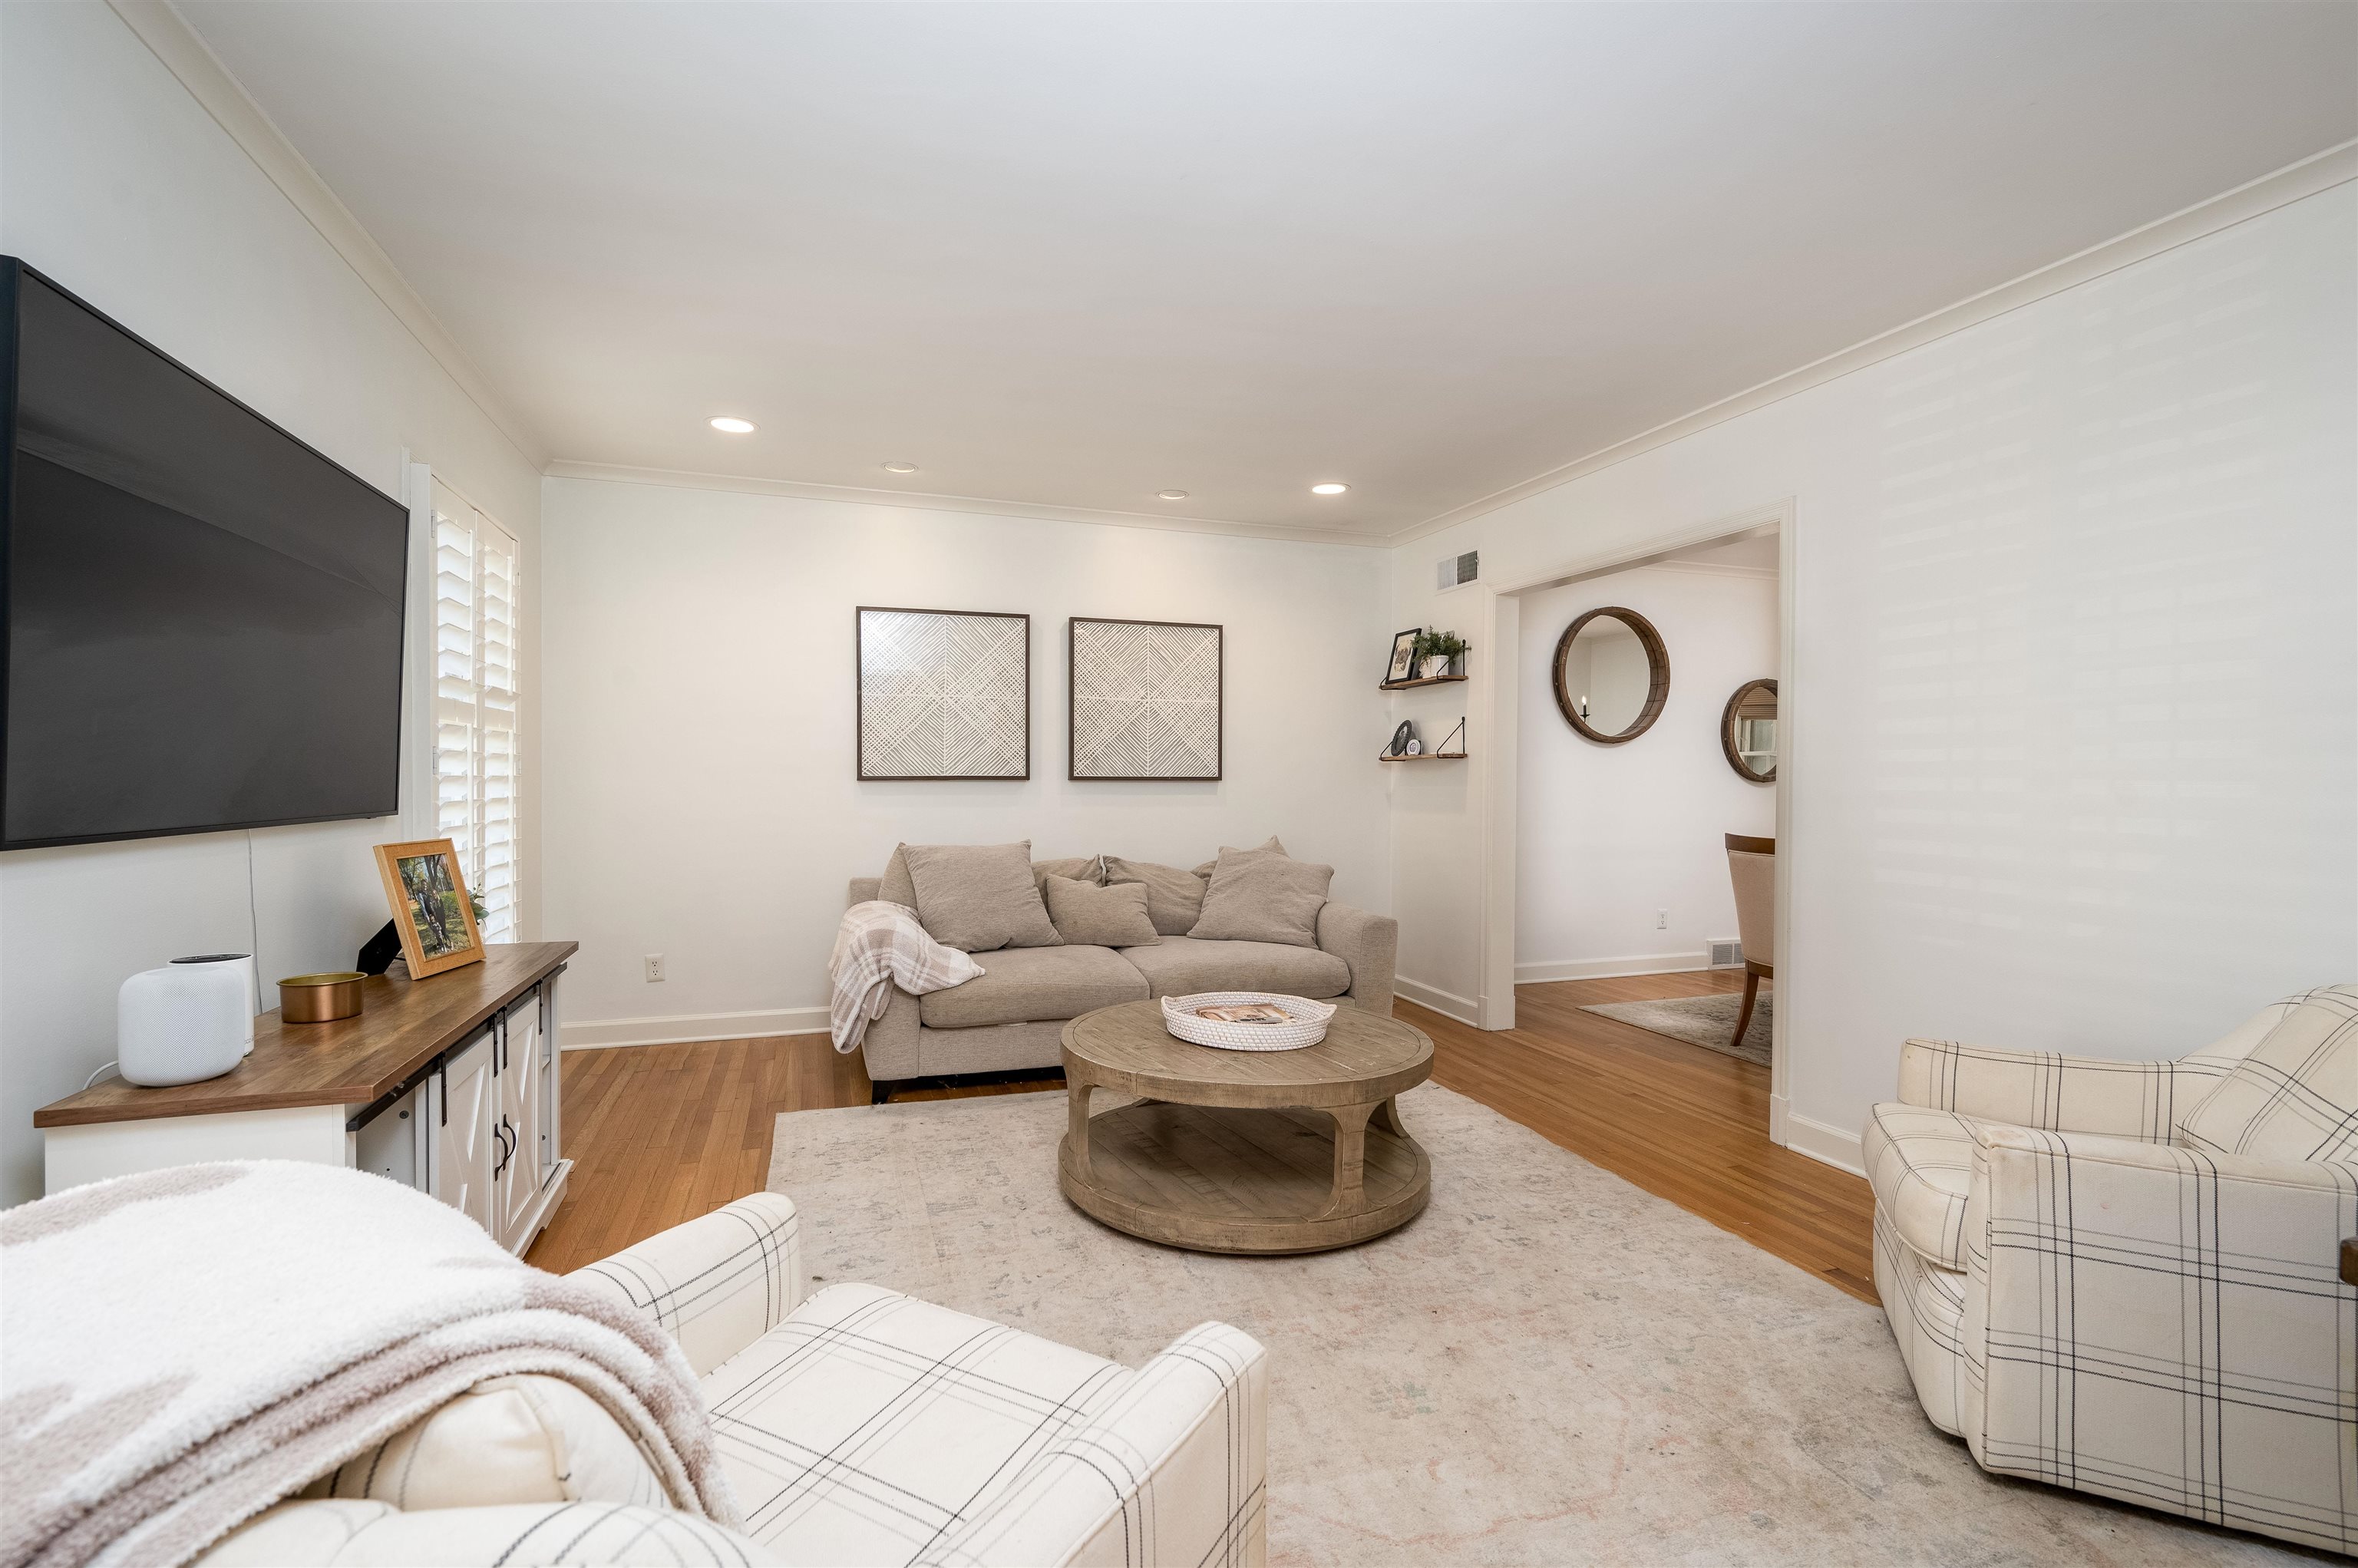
1657,681
903,708
420,876
1402,664
1117,682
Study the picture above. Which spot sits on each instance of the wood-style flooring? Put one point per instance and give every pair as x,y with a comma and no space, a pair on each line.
664,1133
1684,1124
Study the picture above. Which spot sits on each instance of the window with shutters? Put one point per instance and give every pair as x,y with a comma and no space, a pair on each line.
475,684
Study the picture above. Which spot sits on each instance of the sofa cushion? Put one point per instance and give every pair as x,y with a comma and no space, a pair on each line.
1175,896
1030,985
1921,1164
1099,916
2295,1095
979,898
866,1424
1182,965
1263,895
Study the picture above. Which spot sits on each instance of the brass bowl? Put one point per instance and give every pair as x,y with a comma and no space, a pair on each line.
319,999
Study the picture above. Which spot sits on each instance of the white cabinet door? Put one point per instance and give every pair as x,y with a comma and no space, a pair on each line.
519,1123
464,1148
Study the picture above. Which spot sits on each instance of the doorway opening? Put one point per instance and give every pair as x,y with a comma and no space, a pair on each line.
1646,700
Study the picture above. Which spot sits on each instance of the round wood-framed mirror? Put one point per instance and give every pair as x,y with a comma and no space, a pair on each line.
1747,731
1612,675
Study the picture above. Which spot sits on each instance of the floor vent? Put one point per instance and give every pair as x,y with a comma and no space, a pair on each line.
1727,955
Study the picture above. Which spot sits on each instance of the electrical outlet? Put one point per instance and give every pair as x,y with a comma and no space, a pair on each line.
654,968
1662,921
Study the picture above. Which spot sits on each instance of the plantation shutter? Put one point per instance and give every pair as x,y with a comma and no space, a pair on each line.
475,682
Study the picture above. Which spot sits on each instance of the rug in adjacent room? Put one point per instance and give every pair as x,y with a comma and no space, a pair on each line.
1706,1020
1548,1366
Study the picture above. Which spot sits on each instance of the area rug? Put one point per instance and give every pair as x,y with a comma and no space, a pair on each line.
1548,1366
1706,1020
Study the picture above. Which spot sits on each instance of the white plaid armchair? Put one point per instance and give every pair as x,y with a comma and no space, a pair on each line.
2122,1277
856,1426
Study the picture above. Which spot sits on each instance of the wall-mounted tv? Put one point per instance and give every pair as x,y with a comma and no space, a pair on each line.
202,615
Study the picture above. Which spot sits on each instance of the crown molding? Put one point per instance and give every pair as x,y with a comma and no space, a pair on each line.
191,60
2322,171
1714,569
910,499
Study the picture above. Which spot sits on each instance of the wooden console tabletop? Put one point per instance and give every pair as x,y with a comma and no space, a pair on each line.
401,1025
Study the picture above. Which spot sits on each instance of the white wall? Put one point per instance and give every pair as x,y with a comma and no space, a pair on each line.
1607,836
2074,701
700,799
118,184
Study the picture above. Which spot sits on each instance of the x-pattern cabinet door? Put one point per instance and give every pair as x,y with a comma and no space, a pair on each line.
519,1120
465,1148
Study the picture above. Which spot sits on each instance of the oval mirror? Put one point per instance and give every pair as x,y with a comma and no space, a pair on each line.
1612,675
1747,731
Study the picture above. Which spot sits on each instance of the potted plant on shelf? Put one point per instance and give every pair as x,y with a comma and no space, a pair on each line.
1439,654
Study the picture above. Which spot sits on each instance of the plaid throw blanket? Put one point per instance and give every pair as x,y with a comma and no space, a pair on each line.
181,1348
879,945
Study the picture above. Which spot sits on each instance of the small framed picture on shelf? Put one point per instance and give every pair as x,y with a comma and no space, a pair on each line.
431,908
1403,661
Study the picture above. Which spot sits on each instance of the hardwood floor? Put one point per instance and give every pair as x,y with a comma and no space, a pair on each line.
664,1133
1684,1124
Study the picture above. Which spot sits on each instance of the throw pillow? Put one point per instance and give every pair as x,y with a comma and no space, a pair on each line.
2295,1095
979,898
1089,915
1079,868
1270,843
1174,897
1263,895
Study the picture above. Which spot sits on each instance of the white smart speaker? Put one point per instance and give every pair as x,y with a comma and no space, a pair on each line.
191,1020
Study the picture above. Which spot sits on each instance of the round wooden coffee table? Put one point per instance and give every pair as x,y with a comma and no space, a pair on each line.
1244,1151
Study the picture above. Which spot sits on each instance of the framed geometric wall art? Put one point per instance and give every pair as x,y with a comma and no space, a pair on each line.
1145,699
944,694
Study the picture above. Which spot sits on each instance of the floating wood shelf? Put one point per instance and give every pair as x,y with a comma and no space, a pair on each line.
1427,757
1404,685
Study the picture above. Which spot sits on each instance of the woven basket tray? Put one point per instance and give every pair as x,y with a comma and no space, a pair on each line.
1308,1027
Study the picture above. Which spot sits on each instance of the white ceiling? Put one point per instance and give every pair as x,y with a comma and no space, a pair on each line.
1071,255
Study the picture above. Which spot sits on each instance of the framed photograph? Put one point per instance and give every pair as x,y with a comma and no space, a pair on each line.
430,907
944,694
1145,699
1403,660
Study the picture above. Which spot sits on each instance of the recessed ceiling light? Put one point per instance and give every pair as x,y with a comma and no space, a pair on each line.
1328,489
1171,494
899,468
729,425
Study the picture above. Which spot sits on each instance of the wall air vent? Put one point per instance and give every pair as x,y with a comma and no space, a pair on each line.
1456,571
1727,955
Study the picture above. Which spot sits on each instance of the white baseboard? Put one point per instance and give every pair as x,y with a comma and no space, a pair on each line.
1827,1145
1606,968
1464,1009
684,1027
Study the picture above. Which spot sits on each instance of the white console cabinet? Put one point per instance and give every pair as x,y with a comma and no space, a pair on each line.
451,1085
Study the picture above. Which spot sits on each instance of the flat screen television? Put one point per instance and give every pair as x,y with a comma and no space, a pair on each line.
202,615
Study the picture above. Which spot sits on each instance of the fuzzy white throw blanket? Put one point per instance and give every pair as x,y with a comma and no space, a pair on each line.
182,1348
879,945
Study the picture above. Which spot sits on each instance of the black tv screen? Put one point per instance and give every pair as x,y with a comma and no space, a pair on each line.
203,615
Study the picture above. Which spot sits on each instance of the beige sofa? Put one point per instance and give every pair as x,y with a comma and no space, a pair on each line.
1013,1018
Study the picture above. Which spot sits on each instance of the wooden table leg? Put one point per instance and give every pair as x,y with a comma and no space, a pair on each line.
1387,1117
1350,1159
1077,1114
